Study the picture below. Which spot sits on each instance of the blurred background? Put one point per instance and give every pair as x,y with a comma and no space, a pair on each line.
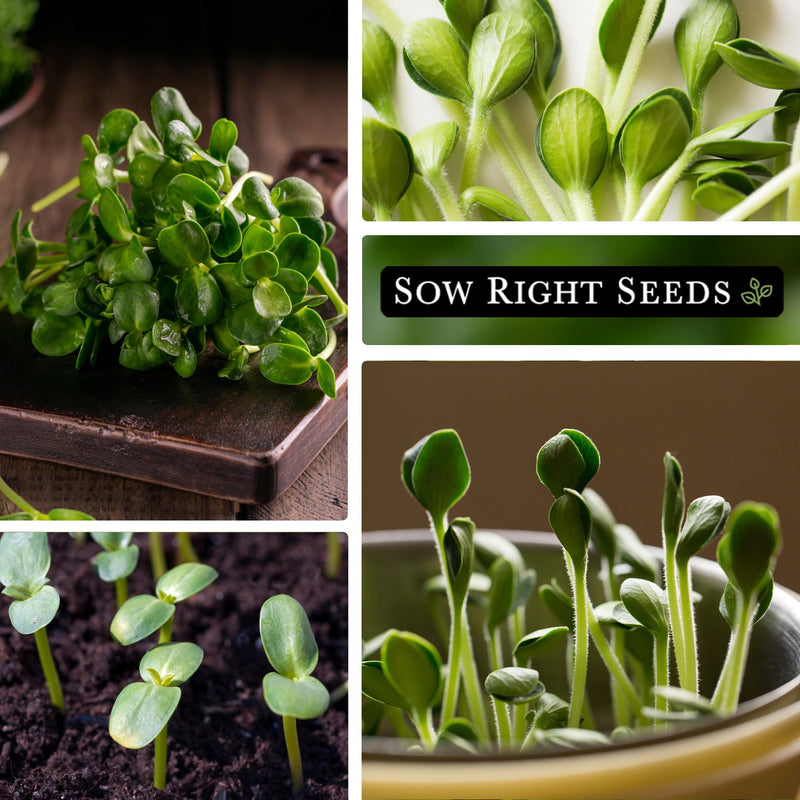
584,250
731,425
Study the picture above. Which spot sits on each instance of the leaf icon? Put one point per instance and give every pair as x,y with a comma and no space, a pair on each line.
754,284
750,298
766,291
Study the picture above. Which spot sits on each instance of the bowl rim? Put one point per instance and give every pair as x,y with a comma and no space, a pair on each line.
772,702
28,97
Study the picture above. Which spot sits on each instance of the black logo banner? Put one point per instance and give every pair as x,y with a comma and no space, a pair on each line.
639,291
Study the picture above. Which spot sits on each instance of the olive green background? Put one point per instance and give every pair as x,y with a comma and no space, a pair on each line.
737,252
732,425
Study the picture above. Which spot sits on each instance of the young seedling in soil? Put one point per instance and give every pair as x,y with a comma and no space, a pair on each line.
24,562
175,248
28,512
158,558
291,691
117,561
144,614
142,710
649,624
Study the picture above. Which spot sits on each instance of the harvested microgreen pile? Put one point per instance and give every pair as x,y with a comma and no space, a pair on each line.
206,252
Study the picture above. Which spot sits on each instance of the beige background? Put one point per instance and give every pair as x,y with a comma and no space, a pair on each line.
732,425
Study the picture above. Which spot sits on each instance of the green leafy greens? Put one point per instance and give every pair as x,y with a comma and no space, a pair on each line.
207,253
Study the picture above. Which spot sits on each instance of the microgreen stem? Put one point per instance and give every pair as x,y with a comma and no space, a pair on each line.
329,289
581,647
655,203
165,632
687,624
633,195
293,751
327,352
236,189
444,195
49,668
18,501
503,725
424,726
595,66
472,685
186,551
763,195
121,590
158,560
333,558
661,668
633,61
793,195
582,204
779,207
726,695
476,137
676,618
387,18
546,206
160,759
613,665
56,194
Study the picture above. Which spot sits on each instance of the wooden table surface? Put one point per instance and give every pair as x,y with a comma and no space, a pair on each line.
286,91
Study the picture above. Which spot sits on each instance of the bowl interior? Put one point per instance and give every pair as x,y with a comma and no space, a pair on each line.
396,564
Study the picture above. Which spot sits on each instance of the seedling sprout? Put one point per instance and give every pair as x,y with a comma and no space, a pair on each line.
24,562
142,710
117,561
28,512
144,614
639,629
291,691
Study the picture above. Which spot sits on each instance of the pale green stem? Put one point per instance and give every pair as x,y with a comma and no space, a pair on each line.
158,561
382,212
549,207
236,189
581,647
472,684
165,633
495,650
653,207
595,66
661,666
330,290
56,194
444,194
293,751
424,726
17,500
121,590
633,194
503,724
476,138
689,633
387,18
582,204
793,195
333,559
160,760
633,62
676,618
779,207
726,695
186,552
49,668
763,195
612,663
327,352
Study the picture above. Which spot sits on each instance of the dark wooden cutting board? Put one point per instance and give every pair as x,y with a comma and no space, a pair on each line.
245,440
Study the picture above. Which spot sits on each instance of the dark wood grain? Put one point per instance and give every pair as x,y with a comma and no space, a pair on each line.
246,442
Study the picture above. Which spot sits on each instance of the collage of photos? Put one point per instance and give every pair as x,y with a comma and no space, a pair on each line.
476,485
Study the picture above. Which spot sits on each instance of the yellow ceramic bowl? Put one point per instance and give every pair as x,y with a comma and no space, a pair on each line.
752,754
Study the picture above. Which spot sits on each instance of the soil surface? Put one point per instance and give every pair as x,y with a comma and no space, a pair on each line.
224,743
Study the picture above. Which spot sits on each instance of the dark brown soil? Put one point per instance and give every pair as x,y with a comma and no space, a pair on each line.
224,743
